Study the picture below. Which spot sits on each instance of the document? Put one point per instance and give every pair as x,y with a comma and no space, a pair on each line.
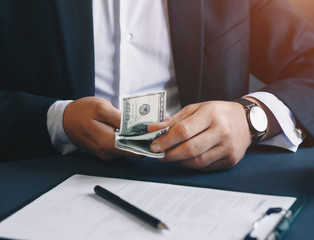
72,210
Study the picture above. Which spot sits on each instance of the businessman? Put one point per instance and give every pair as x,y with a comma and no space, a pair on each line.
64,64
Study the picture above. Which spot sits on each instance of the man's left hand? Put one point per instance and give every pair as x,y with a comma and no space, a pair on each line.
208,136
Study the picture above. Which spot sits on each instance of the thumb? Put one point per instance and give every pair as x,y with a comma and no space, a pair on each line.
110,115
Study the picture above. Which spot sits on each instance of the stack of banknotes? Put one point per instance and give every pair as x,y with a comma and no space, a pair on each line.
137,113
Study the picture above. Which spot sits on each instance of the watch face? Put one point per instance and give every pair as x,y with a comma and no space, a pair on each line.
258,119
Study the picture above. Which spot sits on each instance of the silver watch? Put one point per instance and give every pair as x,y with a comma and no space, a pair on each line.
256,117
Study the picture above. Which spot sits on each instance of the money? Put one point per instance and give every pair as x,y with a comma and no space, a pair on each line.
137,113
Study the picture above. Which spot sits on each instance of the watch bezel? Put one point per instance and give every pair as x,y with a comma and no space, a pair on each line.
258,119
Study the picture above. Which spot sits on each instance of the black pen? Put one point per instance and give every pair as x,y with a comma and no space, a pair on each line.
116,200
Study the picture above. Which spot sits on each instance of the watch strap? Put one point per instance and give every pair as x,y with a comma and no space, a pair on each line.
246,103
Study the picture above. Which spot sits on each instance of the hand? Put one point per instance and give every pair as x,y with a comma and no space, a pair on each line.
90,123
208,136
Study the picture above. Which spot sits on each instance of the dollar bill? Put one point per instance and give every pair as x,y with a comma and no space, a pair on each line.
137,113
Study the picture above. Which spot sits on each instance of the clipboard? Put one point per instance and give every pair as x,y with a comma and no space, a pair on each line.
279,229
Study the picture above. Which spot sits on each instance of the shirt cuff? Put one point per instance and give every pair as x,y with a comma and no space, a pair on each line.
58,137
291,137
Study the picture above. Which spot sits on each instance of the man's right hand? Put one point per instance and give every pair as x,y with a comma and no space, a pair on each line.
90,123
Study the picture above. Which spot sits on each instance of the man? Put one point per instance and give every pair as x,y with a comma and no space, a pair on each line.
200,51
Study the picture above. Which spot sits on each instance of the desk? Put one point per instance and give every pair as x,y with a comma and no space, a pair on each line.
261,171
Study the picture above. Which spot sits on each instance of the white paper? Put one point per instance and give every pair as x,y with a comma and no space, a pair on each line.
73,211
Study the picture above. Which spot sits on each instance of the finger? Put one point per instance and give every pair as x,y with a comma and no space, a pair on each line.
184,130
109,114
156,126
205,160
193,147
173,120
153,127
106,145
97,137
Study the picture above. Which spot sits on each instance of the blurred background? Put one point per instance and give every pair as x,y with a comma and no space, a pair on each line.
304,8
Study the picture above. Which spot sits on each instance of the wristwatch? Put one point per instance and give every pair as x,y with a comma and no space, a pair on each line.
256,118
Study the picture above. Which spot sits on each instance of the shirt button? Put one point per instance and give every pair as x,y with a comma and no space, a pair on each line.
128,37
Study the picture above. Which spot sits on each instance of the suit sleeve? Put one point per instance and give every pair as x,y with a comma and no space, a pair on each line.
282,55
23,125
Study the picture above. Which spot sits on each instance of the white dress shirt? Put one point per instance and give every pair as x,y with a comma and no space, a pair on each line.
133,56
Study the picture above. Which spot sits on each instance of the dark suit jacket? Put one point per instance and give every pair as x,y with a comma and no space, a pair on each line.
46,53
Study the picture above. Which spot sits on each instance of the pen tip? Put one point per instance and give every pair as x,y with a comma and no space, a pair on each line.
162,226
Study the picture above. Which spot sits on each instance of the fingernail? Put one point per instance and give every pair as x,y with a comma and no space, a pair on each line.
155,147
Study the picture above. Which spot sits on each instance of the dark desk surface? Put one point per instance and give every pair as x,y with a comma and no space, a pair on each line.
261,171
